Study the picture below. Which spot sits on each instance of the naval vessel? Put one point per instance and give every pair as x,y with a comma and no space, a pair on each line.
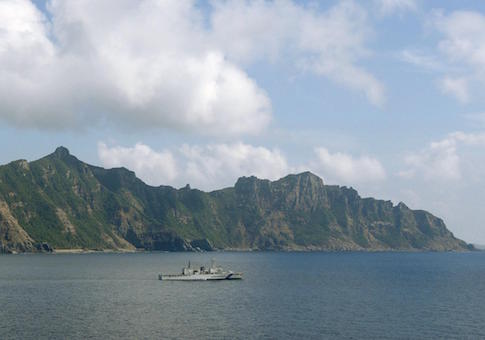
201,274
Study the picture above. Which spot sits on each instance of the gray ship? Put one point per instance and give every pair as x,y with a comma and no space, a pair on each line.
201,274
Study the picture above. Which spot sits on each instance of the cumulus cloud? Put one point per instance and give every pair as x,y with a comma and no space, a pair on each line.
153,167
213,166
463,46
205,167
387,7
441,160
327,43
464,36
164,64
347,168
138,64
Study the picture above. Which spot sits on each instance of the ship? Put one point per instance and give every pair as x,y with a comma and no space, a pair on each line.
213,273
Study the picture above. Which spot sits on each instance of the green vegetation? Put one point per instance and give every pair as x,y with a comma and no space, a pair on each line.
66,203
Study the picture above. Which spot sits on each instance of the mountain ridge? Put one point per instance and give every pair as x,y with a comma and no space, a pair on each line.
59,201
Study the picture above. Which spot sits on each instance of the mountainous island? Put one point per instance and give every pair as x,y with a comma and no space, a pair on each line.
60,202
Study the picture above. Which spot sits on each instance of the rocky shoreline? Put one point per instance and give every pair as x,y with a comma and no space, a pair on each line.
4,251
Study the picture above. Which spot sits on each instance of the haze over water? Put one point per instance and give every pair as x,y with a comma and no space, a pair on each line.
283,295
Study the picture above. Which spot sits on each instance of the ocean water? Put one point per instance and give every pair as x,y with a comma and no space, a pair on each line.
283,295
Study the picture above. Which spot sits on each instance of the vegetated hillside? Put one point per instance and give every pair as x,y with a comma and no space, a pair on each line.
61,202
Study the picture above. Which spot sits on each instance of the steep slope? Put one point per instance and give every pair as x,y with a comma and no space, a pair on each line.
65,203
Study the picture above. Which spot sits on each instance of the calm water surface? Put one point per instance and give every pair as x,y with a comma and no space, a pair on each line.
283,295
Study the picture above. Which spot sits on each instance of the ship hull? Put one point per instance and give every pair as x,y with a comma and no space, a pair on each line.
234,276
201,277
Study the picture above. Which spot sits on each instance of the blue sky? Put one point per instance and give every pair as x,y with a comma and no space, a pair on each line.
381,95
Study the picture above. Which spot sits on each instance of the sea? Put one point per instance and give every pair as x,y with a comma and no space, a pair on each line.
284,295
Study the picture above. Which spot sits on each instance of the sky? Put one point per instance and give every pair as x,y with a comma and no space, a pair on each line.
385,96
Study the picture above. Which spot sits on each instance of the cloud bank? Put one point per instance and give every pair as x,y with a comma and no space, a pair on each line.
205,167
154,167
139,64
213,166
168,64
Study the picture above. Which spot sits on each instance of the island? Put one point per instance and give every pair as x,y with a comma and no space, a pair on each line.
59,202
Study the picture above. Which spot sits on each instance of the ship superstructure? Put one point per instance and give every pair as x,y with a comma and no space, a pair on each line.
202,273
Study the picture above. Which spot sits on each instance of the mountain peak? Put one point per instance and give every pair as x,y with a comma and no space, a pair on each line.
251,181
61,152
308,174
304,177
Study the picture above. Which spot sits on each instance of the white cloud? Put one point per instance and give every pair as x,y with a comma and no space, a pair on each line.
387,7
138,64
328,43
214,165
441,160
344,167
464,36
205,167
159,64
463,45
153,167
420,59
469,139
457,87
459,57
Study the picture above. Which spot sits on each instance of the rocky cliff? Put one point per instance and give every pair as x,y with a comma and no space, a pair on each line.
61,202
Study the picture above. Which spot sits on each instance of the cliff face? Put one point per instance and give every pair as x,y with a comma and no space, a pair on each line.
65,203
